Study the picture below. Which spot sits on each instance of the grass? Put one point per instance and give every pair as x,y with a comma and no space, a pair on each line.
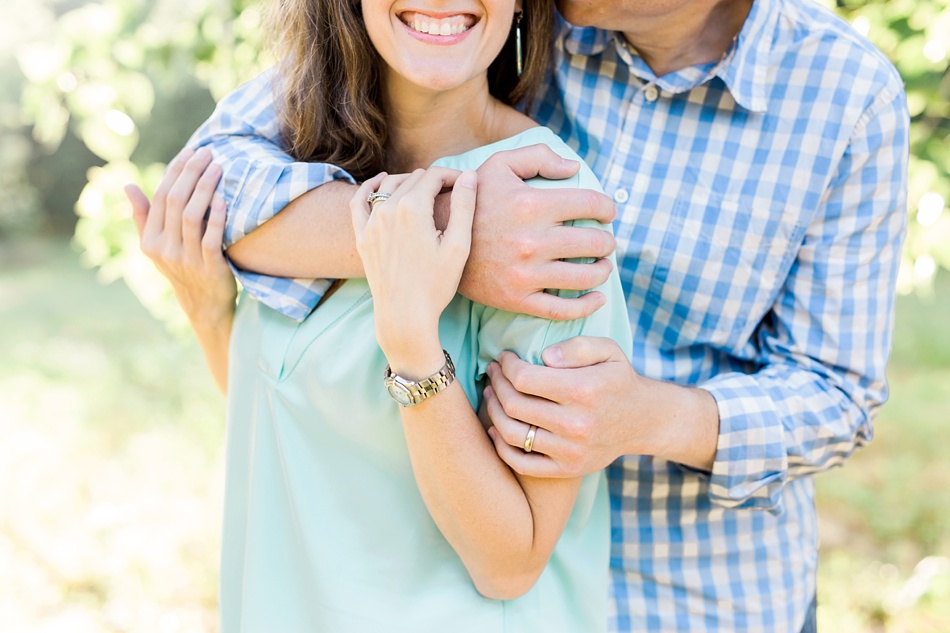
113,447
111,458
885,517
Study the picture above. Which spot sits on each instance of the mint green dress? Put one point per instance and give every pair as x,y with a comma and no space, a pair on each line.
324,527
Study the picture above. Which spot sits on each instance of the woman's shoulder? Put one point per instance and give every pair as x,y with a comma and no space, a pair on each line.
535,135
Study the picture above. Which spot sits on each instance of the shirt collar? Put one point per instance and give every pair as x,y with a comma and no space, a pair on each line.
744,69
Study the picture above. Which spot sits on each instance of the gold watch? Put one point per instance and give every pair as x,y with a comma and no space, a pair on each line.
409,393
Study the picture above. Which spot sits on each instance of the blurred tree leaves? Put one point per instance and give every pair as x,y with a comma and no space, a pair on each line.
99,70
915,35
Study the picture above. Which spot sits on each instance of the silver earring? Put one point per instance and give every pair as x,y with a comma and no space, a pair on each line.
519,62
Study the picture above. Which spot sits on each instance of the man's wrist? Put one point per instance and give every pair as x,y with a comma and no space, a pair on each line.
686,425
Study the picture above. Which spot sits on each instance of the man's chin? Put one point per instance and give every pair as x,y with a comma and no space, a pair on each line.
577,12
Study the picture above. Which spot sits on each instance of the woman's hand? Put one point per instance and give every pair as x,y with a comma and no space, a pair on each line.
186,249
413,269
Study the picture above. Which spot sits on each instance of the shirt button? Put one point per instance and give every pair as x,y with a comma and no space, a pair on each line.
650,93
621,196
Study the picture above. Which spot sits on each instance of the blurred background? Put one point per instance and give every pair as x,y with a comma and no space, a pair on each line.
112,431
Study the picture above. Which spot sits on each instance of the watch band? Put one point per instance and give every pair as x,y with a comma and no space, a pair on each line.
409,393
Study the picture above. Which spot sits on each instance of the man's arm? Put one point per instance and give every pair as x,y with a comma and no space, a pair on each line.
822,353
288,231
519,238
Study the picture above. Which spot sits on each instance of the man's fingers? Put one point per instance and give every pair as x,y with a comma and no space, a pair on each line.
563,205
554,308
567,242
513,413
140,207
536,160
570,276
530,392
459,230
528,464
583,351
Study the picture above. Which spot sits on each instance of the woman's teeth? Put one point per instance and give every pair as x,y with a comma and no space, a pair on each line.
431,26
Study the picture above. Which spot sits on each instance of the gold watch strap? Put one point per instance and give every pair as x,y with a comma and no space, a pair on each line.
427,387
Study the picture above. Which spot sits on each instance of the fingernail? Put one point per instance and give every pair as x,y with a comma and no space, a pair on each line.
203,152
468,179
488,392
552,356
568,162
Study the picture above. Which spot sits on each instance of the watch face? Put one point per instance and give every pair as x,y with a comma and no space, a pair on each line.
399,393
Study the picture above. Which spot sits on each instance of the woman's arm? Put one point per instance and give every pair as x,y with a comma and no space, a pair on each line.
504,527
186,249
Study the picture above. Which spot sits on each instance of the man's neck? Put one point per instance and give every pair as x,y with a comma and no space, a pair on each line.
698,33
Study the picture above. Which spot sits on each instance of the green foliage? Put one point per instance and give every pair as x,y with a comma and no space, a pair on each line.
915,35
97,73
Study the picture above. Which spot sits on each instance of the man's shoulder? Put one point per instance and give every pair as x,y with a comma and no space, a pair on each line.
247,111
814,40
253,95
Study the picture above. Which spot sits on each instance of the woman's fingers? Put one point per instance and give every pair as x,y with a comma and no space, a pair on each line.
459,230
182,191
140,207
360,208
193,215
214,234
405,187
156,216
391,183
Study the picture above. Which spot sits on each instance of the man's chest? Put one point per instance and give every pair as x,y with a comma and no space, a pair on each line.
713,200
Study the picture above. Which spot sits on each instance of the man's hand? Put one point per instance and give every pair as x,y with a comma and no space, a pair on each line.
591,407
519,238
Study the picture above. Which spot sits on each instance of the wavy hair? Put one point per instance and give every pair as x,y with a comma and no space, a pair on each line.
329,77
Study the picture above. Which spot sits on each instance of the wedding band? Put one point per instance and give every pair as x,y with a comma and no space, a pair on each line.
529,439
378,196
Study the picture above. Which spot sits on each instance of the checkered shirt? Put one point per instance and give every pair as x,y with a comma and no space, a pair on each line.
762,209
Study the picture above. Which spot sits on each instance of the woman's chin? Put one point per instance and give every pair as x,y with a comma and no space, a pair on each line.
437,79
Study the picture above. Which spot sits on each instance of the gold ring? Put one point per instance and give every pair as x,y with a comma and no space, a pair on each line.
378,196
529,439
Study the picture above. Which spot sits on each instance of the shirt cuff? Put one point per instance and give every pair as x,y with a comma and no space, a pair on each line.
751,464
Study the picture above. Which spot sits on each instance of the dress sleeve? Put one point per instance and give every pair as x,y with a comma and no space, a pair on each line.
528,336
259,180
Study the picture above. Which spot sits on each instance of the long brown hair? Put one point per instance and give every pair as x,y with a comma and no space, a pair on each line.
328,83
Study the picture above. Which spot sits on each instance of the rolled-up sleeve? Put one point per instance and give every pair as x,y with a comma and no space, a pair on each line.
259,179
824,346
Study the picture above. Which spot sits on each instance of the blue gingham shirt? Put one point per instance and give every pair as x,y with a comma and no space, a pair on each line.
762,209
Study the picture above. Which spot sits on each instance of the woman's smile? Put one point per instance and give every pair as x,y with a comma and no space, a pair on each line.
437,44
440,25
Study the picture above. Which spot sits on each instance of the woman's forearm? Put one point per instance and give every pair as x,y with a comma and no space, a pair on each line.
503,527
214,338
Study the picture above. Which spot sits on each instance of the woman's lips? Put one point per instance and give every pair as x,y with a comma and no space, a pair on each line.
438,25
